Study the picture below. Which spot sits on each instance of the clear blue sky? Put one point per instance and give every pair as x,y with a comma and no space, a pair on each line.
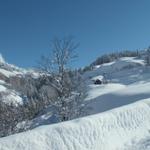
101,26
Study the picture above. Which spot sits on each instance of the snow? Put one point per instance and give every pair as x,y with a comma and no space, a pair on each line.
100,77
14,98
98,90
107,131
7,73
143,144
111,126
11,70
125,84
10,96
105,97
2,88
2,82
115,66
133,60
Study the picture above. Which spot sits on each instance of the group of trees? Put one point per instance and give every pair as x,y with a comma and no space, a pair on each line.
57,86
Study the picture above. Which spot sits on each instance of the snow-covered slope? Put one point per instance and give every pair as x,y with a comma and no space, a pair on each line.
126,85
111,130
126,127
128,81
9,73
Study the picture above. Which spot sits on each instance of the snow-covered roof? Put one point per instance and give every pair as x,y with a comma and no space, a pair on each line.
100,77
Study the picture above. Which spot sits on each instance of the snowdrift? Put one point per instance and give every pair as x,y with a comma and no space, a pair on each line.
110,130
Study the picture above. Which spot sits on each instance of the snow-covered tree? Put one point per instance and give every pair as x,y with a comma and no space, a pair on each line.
69,102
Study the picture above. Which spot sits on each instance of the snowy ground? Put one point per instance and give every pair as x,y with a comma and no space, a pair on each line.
117,129
123,128
129,81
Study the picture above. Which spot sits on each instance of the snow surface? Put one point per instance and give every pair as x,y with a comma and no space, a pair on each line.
2,82
123,128
7,73
9,70
106,131
12,97
143,144
100,77
128,81
2,88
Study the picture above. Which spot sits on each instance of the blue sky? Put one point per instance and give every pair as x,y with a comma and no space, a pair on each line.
100,26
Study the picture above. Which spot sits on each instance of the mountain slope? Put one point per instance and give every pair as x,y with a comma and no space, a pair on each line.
130,83
128,80
10,75
123,81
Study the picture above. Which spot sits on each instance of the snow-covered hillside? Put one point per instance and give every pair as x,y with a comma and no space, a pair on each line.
124,82
8,73
128,81
113,130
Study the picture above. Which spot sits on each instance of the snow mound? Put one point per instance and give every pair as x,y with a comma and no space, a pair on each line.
106,131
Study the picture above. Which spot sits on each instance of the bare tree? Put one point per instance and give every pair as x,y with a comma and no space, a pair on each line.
70,98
